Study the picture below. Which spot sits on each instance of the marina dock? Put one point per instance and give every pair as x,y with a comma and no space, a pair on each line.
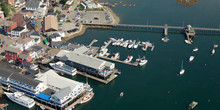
93,41
118,61
113,76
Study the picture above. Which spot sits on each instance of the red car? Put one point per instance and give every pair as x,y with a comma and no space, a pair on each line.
77,20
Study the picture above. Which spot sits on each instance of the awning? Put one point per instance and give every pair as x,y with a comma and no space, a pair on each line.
44,96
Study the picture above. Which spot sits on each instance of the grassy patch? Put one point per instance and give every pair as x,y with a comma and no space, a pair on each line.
81,7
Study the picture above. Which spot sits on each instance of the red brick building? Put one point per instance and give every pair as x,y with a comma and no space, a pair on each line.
12,52
9,25
19,19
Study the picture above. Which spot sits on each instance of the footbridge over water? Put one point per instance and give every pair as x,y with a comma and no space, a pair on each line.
155,28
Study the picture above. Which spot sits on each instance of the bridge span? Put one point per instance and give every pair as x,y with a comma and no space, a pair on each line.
155,28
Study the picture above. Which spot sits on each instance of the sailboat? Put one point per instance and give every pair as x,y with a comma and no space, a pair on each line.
182,70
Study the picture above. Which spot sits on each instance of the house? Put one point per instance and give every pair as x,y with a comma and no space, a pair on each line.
19,3
25,43
55,37
7,26
19,19
32,34
39,13
2,15
25,58
35,52
33,5
61,18
50,23
16,32
28,15
12,52
91,5
10,1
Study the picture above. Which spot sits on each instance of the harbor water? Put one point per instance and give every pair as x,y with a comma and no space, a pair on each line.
157,85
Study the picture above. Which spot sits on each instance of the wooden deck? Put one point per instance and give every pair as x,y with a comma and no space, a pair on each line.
119,61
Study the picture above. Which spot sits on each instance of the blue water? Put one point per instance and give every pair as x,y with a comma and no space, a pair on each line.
156,86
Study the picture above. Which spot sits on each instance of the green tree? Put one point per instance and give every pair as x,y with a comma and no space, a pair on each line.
51,10
63,1
58,12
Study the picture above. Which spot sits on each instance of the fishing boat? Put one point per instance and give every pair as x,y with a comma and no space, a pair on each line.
103,51
192,105
62,67
128,59
116,56
142,61
191,58
89,93
144,48
213,51
21,99
121,94
195,49
182,70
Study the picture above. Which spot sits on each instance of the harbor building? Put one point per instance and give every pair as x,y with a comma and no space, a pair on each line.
46,87
90,65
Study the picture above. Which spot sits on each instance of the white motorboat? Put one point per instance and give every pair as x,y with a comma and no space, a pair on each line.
195,49
21,99
213,52
114,43
136,44
103,51
165,39
188,42
62,67
182,71
131,44
125,44
142,61
128,59
116,56
191,58
215,45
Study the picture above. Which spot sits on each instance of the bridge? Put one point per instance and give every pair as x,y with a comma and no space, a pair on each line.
155,28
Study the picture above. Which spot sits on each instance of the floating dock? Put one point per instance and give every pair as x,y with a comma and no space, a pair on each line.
119,61
93,41
113,76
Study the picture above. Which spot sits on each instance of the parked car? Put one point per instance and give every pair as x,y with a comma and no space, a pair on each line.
95,18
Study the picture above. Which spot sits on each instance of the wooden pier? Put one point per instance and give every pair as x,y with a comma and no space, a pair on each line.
93,41
119,61
113,76
3,106
106,45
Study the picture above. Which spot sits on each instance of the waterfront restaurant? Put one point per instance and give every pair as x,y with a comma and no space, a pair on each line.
45,87
90,65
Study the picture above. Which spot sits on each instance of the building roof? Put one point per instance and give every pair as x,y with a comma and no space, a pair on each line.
23,40
85,60
33,3
21,1
12,49
51,78
35,33
50,22
19,19
29,14
19,28
81,49
6,72
35,48
61,53
63,92
54,35
23,56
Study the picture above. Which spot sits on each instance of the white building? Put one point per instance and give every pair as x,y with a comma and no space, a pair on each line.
16,32
40,12
66,89
19,3
25,43
33,5
91,4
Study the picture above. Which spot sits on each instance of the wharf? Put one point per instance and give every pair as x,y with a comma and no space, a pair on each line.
108,44
119,61
3,106
44,106
113,76
93,41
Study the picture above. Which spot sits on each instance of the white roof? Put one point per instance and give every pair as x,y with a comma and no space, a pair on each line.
61,53
85,60
51,78
81,49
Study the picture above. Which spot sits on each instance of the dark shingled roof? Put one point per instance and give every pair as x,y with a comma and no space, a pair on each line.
33,3
18,28
19,19
6,72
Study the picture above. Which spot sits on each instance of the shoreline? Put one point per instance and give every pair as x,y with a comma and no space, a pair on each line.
82,30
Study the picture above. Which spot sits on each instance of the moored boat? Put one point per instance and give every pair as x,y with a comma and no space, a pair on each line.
182,71
213,51
89,94
115,56
192,105
142,61
195,49
62,67
128,59
21,99
103,51
191,58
